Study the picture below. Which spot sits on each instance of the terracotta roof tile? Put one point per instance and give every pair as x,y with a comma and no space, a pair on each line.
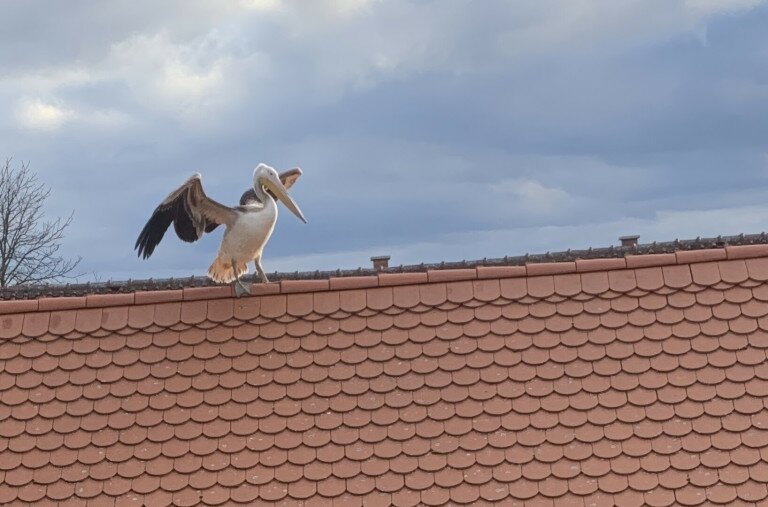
390,279
19,306
443,275
60,303
497,272
539,269
583,265
303,286
639,261
353,282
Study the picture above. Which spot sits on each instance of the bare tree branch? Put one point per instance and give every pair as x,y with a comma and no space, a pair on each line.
29,244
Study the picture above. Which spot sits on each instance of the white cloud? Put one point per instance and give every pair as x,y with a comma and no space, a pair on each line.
262,5
187,80
710,7
167,75
532,196
106,118
46,79
39,115
180,81
36,114
347,7
195,74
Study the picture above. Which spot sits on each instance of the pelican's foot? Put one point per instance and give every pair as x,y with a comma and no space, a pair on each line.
242,289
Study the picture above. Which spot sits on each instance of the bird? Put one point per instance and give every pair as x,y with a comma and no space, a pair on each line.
248,225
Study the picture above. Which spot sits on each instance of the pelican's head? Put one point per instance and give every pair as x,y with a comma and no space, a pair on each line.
267,179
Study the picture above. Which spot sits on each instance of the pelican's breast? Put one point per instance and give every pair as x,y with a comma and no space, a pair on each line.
246,238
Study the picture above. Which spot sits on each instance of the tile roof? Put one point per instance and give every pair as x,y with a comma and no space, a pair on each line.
639,380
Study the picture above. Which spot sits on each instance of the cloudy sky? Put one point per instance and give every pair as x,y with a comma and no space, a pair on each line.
427,129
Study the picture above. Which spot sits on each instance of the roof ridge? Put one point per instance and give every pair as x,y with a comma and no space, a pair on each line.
613,251
20,299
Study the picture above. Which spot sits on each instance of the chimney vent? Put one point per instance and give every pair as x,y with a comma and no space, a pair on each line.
629,241
380,262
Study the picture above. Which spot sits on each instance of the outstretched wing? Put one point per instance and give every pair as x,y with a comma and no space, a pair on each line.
288,178
191,212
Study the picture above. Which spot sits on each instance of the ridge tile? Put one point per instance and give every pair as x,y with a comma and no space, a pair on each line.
641,261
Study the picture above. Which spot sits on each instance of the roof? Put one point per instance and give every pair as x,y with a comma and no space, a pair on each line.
130,286
639,380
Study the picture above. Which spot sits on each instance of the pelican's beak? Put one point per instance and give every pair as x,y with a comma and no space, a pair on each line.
277,187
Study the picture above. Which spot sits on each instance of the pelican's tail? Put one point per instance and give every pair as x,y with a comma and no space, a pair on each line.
225,271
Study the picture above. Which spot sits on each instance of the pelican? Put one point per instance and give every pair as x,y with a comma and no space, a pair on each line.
248,226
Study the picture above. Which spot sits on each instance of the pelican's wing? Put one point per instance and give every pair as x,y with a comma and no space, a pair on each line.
288,178
192,213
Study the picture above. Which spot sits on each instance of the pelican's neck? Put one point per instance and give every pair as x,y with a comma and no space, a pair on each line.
263,196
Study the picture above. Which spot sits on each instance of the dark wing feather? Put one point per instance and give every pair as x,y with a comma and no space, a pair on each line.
191,212
154,230
182,223
248,197
288,178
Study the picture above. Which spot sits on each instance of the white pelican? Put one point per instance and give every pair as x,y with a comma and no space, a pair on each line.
248,226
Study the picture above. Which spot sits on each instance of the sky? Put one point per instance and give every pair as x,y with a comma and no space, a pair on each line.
428,130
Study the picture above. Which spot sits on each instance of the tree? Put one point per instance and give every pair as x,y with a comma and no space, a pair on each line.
29,244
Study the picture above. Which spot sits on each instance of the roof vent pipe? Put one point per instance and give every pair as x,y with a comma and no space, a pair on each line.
629,241
380,262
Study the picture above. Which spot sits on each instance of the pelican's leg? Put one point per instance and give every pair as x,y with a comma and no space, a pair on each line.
241,288
260,270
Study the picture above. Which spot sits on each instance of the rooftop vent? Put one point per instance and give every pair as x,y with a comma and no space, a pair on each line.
380,262
629,241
